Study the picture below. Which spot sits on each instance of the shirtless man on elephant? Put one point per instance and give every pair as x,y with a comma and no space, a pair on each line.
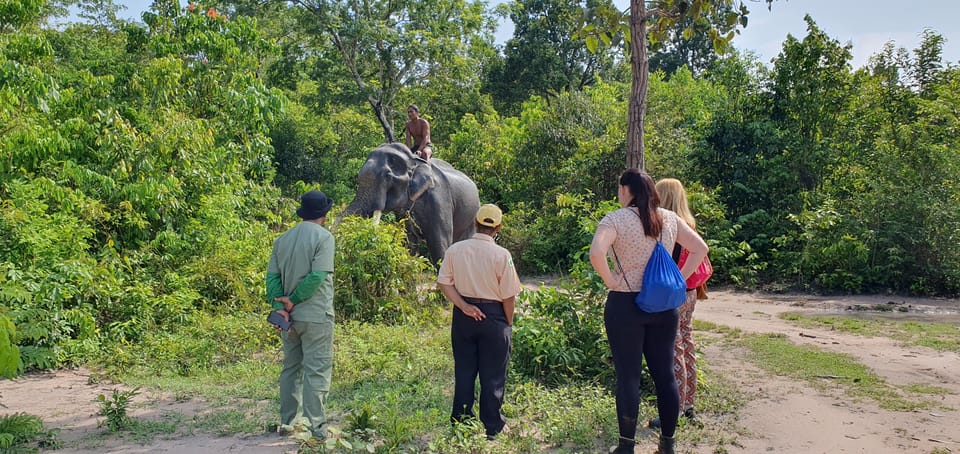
417,132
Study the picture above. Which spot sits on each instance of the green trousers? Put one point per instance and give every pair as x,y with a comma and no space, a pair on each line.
305,378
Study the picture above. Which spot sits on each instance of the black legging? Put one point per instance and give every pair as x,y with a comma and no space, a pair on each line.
634,334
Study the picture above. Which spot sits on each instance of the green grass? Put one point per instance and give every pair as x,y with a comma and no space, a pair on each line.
392,387
923,388
943,337
398,380
826,370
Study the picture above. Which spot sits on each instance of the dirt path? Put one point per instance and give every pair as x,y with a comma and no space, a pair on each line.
66,400
785,416
782,416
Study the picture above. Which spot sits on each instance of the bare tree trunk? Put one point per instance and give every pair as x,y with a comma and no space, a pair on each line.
640,63
383,116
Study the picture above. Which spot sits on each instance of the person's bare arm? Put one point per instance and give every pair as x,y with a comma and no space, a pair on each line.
695,246
602,240
425,129
454,296
408,135
508,307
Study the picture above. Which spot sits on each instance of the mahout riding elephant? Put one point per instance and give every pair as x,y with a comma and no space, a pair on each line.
440,202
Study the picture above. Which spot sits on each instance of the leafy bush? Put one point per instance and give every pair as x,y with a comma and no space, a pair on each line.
831,257
115,408
551,239
558,335
18,430
376,279
9,352
205,342
733,260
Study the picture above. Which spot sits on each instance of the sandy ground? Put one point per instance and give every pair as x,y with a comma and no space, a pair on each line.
782,416
785,416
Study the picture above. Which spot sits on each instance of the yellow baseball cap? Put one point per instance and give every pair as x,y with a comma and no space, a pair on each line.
489,215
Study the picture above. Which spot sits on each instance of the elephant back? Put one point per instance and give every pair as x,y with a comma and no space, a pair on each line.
445,167
465,198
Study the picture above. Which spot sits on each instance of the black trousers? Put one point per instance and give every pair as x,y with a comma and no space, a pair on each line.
633,335
480,349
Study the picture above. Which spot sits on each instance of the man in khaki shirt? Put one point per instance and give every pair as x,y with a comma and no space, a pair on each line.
478,277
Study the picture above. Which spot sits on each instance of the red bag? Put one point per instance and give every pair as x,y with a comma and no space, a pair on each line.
700,276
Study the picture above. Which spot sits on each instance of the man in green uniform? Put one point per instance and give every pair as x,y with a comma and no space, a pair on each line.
300,289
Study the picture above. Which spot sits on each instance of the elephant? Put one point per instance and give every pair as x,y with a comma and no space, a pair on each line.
441,202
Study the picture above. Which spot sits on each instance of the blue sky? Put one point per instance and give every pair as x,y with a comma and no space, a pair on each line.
866,24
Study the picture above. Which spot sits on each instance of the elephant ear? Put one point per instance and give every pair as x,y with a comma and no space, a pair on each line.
421,181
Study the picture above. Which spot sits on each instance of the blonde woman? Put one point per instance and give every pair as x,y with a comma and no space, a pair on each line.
673,197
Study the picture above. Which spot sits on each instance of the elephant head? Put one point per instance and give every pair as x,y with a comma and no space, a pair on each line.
390,180
440,200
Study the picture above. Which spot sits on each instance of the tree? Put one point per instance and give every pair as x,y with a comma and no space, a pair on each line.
544,57
809,90
388,45
655,21
693,50
135,169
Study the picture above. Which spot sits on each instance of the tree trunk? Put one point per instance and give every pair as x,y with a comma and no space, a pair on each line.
383,116
640,64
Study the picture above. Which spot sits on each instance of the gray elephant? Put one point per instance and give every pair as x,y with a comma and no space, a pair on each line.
439,201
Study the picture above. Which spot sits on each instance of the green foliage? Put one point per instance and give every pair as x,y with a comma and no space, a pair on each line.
115,408
192,346
689,44
9,352
545,57
338,441
558,336
733,261
133,185
376,277
327,148
680,110
830,256
482,149
553,238
23,432
384,47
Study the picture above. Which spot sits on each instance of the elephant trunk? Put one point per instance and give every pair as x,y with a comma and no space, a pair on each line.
366,206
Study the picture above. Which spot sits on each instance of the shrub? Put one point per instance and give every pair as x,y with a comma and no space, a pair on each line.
21,429
115,408
550,239
376,279
9,352
558,335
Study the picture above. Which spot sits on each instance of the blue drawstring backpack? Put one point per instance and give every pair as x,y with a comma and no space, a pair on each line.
663,287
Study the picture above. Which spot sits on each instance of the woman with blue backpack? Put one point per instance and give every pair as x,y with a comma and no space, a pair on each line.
645,289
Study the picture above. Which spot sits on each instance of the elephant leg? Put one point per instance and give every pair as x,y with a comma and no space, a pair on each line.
414,237
439,236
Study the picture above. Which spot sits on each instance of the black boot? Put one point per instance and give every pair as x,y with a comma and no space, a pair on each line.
624,447
666,445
